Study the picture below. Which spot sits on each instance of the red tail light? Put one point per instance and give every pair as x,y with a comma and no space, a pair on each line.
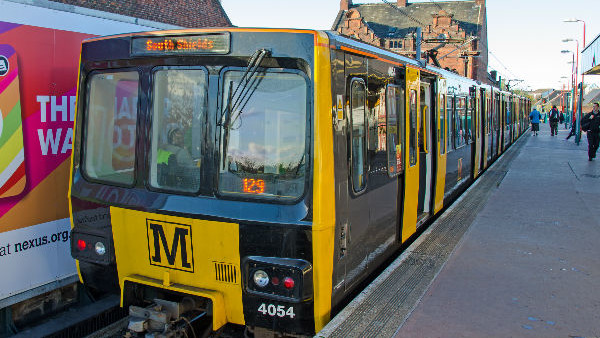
81,244
288,282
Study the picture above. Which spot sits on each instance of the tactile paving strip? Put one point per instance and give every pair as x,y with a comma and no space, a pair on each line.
387,307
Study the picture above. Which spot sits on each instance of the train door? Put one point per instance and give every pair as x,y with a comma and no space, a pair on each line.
483,128
442,141
425,150
502,115
507,122
490,116
357,215
474,112
411,173
497,125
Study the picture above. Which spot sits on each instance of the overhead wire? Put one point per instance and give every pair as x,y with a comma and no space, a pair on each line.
421,24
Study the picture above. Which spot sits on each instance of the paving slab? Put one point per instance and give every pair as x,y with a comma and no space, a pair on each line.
529,264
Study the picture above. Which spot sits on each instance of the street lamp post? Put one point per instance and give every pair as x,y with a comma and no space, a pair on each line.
564,98
580,99
572,86
577,98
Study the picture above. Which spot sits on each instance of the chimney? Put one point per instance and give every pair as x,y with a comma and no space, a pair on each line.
345,4
402,3
480,3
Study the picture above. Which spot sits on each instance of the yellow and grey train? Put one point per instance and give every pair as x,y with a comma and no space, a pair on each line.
256,176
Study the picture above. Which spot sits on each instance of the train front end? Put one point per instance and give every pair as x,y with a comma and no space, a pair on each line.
201,185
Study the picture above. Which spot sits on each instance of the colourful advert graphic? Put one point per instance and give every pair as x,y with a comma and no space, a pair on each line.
12,158
38,80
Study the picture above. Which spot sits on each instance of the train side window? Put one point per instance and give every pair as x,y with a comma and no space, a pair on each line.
489,116
413,133
358,134
459,128
450,122
395,129
442,124
470,120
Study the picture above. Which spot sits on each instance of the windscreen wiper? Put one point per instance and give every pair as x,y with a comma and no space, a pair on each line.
227,118
249,82
246,87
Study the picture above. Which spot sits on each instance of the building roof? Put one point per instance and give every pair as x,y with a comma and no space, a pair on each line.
387,22
591,97
191,14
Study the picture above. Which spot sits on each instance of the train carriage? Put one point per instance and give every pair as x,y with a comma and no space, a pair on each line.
256,176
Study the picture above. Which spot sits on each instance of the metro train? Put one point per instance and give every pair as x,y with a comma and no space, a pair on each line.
256,177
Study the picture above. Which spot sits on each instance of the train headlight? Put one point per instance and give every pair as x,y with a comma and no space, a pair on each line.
261,279
91,247
100,248
283,279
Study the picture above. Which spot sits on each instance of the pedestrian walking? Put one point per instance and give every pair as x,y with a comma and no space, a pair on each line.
590,123
535,116
554,118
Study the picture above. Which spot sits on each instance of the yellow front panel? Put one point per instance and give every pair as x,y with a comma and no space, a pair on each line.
177,252
440,183
411,174
323,231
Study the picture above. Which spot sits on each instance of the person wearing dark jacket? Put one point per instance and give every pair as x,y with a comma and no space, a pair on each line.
554,118
591,124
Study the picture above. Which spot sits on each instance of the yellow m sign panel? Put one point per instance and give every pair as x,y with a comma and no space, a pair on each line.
170,245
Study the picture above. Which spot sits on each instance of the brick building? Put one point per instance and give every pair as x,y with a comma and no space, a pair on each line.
454,30
184,13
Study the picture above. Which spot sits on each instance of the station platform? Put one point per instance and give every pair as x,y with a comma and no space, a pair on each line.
518,255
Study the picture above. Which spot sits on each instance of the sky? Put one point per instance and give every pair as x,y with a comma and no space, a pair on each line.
524,36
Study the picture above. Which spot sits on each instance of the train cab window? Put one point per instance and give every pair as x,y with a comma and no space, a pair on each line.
264,136
178,112
442,124
110,127
395,129
358,151
413,130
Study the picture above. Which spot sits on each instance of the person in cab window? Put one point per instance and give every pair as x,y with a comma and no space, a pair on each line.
174,150
535,116
554,118
591,124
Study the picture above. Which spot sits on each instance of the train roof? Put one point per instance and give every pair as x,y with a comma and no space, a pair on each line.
337,41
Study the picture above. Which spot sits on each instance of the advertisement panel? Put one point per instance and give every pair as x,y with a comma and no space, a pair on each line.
38,74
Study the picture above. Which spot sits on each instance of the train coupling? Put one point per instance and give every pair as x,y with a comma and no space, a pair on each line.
168,319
